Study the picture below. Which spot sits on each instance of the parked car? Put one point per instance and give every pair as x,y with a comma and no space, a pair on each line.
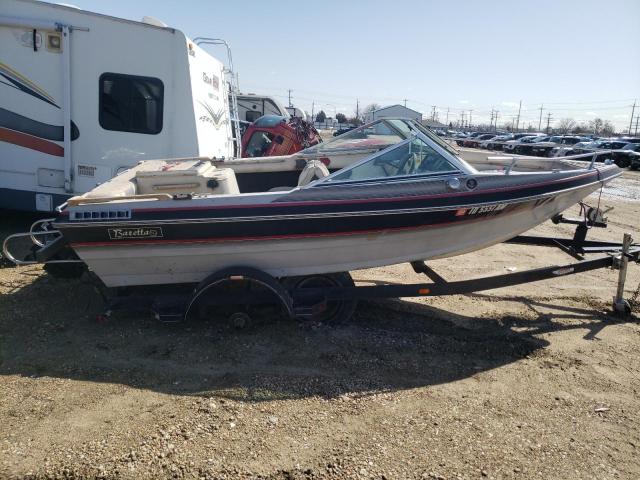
340,131
466,136
496,142
524,148
545,148
607,149
475,142
627,156
605,144
568,148
511,145
634,155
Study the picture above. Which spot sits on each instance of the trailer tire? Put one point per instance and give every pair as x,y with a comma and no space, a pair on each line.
337,312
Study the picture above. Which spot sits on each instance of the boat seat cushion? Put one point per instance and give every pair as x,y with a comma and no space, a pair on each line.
314,170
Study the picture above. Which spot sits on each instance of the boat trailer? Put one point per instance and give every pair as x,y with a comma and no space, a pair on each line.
332,298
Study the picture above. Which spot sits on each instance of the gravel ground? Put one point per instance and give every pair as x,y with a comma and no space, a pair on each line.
534,381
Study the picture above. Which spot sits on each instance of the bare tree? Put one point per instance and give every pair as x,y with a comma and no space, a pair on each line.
608,129
565,125
371,107
580,128
602,127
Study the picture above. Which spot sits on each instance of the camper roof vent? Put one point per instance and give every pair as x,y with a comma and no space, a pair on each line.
153,21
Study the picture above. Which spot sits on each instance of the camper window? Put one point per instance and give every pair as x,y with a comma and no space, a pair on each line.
252,115
130,103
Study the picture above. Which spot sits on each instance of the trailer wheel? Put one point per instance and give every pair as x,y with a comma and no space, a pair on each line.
240,276
240,320
334,312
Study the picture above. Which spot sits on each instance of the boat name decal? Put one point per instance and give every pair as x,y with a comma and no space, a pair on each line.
479,210
134,233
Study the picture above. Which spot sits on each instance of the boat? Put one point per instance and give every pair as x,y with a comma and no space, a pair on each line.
414,199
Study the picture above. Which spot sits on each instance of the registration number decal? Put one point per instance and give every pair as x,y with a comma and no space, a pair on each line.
479,210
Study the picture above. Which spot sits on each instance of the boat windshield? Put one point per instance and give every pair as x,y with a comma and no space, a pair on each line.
425,131
377,135
410,158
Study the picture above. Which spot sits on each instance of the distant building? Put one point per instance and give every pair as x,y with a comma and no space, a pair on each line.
393,111
434,124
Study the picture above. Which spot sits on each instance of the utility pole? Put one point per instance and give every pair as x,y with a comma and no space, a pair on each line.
491,120
290,97
540,121
518,121
313,118
357,109
433,113
495,128
470,119
633,110
637,120
447,115
548,121
462,119
405,103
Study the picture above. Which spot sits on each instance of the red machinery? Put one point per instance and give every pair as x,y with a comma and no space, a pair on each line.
273,135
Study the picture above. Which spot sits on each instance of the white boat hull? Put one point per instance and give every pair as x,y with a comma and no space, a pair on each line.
190,263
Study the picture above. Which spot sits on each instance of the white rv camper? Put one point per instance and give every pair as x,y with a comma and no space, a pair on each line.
252,106
83,96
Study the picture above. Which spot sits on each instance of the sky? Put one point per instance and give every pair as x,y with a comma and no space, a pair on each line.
578,59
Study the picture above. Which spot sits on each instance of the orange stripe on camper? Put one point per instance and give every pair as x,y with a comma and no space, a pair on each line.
29,141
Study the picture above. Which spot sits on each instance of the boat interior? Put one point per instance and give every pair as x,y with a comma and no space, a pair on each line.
384,149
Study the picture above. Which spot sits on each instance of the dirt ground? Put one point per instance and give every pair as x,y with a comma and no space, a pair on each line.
535,381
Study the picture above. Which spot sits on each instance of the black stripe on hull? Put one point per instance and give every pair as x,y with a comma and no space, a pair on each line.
289,227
